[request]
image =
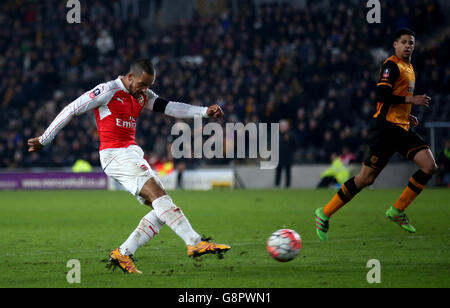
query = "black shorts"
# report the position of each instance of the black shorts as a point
(386, 138)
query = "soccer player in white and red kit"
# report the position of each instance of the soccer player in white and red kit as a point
(117, 106)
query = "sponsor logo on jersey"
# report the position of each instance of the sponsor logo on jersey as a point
(126, 124)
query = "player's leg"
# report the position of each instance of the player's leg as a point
(172, 216)
(348, 191)
(168, 212)
(427, 167)
(380, 150)
(132, 171)
(147, 229)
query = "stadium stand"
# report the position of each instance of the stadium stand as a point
(315, 68)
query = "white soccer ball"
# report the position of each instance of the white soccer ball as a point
(284, 245)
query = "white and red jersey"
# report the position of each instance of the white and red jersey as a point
(116, 120)
(116, 113)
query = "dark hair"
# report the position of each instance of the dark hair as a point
(404, 31)
(142, 65)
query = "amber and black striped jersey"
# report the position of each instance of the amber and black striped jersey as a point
(397, 81)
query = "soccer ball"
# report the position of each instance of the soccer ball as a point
(284, 245)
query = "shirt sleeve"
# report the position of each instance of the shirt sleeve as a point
(185, 111)
(88, 101)
(389, 75)
(174, 109)
(151, 98)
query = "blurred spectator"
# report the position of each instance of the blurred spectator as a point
(262, 63)
(443, 159)
(287, 149)
(335, 175)
(81, 166)
(104, 43)
(347, 157)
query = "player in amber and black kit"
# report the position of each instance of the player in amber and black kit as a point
(389, 133)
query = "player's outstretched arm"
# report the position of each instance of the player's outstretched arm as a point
(215, 112)
(182, 110)
(88, 101)
(186, 111)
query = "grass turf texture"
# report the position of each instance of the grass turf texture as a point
(41, 231)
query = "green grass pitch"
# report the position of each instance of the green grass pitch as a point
(41, 231)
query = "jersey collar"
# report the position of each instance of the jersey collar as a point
(410, 64)
(121, 85)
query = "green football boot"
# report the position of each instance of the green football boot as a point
(400, 218)
(322, 225)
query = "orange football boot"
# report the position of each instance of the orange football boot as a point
(125, 263)
(205, 246)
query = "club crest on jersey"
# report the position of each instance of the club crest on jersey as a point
(386, 73)
(95, 93)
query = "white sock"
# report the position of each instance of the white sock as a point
(148, 228)
(173, 217)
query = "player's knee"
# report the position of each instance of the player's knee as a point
(430, 169)
(152, 190)
(144, 194)
(365, 181)
(434, 168)
(368, 181)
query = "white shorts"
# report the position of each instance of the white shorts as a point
(128, 167)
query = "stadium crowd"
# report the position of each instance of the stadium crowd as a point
(315, 68)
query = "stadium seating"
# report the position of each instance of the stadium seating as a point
(317, 69)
